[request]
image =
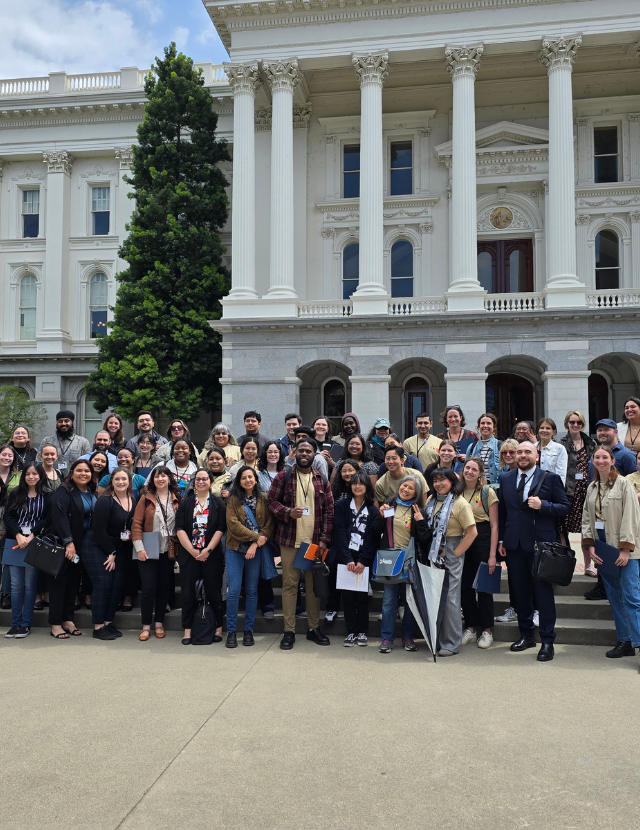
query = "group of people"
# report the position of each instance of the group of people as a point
(131, 513)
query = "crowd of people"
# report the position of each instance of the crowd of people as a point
(131, 514)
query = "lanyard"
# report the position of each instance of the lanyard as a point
(164, 509)
(65, 450)
(305, 493)
(473, 495)
(599, 498)
(127, 513)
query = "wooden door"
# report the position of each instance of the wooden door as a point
(506, 266)
(510, 398)
(416, 400)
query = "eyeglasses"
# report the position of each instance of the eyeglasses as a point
(176, 427)
(509, 452)
(575, 423)
(202, 480)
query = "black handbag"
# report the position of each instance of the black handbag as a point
(552, 561)
(320, 573)
(47, 555)
(203, 627)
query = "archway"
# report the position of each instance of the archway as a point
(325, 390)
(620, 371)
(515, 391)
(417, 385)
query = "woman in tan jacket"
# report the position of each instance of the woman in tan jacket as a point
(249, 527)
(612, 515)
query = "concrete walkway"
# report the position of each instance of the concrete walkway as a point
(158, 735)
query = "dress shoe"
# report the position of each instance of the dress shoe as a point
(111, 627)
(161, 633)
(596, 593)
(523, 644)
(232, 640)
(318, 637)
(287, 641)
(247, 638)
(622, 650)
(217, 638)
(546, 653)
(186, 641)
(144, 635)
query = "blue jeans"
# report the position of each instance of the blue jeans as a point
(24, 587)
(624, 596)
(390, 609)
(236, 565)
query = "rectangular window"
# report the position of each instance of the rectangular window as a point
(100, 211)
(605, 150)
(30, 213)
(351, 171)
(401, 164)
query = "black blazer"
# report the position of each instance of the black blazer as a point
(342, 521)
(217, 520)
(67, 516)
(516, 517)
(11, 519)
(109, 520)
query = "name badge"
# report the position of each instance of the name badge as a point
(164, 533)
(306, 511)
(356, 539)
(579, 476)
(201, 521)
(354, 545)
(599, 525)
(62, 465)
(76, 559)
(25, 530)
(391, 511)
(125, 535)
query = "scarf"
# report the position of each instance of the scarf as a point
(404, 503)
(439, 525)
(377, 440)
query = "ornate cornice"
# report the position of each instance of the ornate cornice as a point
(58, 162)
(243, 77)
(559, 53)
(619, 195)
(282, 74)
(125, 155)
(463, 60)
(371, 68)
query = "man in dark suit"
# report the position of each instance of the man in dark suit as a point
(525, 518)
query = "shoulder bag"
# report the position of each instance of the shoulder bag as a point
(552, 561)
(47, 555)
(391, 565)
(203, 627)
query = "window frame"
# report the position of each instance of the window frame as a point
(92, 214)
(617, 155)
(23, 192)
(351, 241)
(33, 308)
(391, 140)
(343, 145)
(618, 268)
(91, 306)
(413, 269)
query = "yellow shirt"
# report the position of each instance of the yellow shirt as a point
(402, 526)
(425, 449)
(461, 516)
(305, 497)
(387, 487)
(474, 499)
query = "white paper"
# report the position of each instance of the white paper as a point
(390, 511)
(348, 581)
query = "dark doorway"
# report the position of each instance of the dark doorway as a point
(510, 398)
(598, 400)
(416, 399)
(506, 266)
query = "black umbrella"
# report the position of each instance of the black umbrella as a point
(423, 598)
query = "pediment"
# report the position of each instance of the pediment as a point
(505, 135)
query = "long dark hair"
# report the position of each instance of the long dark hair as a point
(262, 458)
(104, 471)
(173, 485)
(366, 455)
(18, 496)
(118, 438)
(363, 478)
(248, 439)
(218, 451)
(339, 485)
(192, 450)
(447, 472)
(70, 483)
(236, 491)
(633, 398)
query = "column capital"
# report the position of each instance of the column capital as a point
(243, 77)
(583, 219)
(559, 52)
(282, 74)
(1, 166)
(371, 68)
(263, 117)
(301, 116)
(633, 117)
(635, 217)
(58, 162)
(463, 60)
(125, 155)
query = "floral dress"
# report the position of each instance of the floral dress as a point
(574, 519)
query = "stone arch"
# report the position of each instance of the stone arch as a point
(415, 367)
(314, 376)
(510, 398)
(621, 370)
(523, 204)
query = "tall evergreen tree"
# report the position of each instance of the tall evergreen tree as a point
(160, 352)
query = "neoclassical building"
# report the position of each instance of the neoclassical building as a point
(432, 202)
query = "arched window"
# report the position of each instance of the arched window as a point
(350, 269)
(28, 295)
(607, 260)
(98, 294)
(334, 400)
(402, 269)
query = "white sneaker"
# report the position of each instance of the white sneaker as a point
(536, 619)
(508, 616)
(330, 616)
(363, 640)
(485, 639)
(468, 637)
(350, 640)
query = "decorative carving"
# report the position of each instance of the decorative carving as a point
(262, 119)
(534, 195)
(634, 200)
(1, 166)
(583, 122)
(463, 60)
(559, 53)
(633, 117)
(502, 192)
(301, 116)
(28, 174)
(499, 169)
(58, 162)
(634, 216)
(501, 218)
(282, 74)
(426, 227)
(125, 155)
(583, 219)
(425, 133)
(371, 68)
(545, 187)
(329, 139)
(243, 77)
(327, 233)
(449, 192)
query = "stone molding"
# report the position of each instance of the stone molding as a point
(58, 162)
(635, 217)
(583, 219)
(301, 116)
(262, 119)
(125, 156)
(371, 68)
(282, 74)
(559, 53)
(243, 77)
(463, 60)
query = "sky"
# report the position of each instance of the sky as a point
(75, 36)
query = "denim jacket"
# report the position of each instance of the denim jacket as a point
(492, 469)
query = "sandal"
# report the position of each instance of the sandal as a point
(75, 632)
(160, 633)
(144, 635)
(64, 635)
(591, 572)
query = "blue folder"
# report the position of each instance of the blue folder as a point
(608, 554)
(300, 562)
(11, 556)
(486, 582)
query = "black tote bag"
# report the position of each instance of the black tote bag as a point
(47, 555)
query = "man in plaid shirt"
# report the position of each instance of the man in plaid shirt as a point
(302, 503)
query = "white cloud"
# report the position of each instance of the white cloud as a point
(180, 36)
(42, 36)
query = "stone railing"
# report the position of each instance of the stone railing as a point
(617, 298)
(513, 303)
(426, 306)
(324, 308)
(24, 86)
(93, 81)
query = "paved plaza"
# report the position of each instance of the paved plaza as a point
(158, 735)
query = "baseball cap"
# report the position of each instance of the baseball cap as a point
(382, 422)
(607, 422)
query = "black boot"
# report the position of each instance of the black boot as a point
(622, 650)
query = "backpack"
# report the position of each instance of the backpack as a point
(203, 627)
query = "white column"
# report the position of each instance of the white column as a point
(125, 204)
(468, 391)
(54, 336)
(564, 391)
(243, 80)
(635, 248)
(465, 292)
(283, 78)
(371, 296)
(563, 288)
(634, 145)
(584, 264)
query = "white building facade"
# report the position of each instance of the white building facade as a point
(432, 202)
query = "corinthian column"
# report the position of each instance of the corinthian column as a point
(371, 295)
(283, 78)
(563, 287)
(243, 80)
(465, 292)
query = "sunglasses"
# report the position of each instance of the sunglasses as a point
(509, 452)
(176, 427)
(575, 423)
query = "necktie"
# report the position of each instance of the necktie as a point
(521, 484)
